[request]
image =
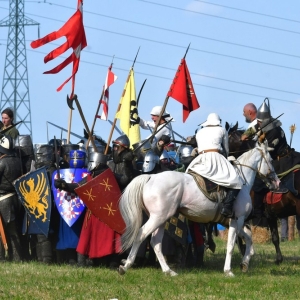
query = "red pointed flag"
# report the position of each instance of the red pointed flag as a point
(110, 79)
(73, 30)
(183, 91)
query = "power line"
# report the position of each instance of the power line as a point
(219, 17)
(248, 11)
(170, 79)
(172, 69)
(179, 32)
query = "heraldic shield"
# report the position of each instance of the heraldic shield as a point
(34, 192)
(69, 205)
(101, 196)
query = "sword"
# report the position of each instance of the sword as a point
(56, 158)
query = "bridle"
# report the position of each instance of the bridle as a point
(269, 177)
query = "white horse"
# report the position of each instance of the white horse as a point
(162, 195)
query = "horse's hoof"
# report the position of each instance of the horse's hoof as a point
(121, 270)
(244, 267)
(123, 261)
(170, 273)
(228, 274)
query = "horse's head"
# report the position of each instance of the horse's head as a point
(266, 170)
(236, 146)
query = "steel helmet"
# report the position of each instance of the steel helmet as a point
(186, 151)
(212, 119)
(123, 141)
(155, 111)
(95, 159)
(43, 155)
(77, 158)
(264, 111)
(150, 160)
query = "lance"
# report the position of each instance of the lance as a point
(165, 104)
(292, 129)
(119, 106)
(63, 129)
(250, 136)
(8, 128)
(56, 158)
(69, 101)
(151, 136)
(99, 104)
(182, 142)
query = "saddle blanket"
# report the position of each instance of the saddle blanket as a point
(211, 190)
(272, 198)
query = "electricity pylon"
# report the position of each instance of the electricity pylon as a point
(15, 88)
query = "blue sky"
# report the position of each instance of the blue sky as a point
(240, 52)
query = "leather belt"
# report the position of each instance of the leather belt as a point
(209, 150)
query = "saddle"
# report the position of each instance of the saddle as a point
(211, 190)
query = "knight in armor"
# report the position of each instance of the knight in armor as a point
(150, 125)
(123, 161)
(97, 240)
(212, 140)
(10, 170)
(7, 121)
(284, 157)
(185, 155)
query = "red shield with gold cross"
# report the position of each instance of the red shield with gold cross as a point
(101, 196)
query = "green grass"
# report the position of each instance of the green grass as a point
(265, 280)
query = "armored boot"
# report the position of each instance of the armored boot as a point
(14, 246)
(228, 203)
(81, 260)
(44, 249)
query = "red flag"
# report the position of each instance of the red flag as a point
(73, 30)
(110, 79)
(183, 91)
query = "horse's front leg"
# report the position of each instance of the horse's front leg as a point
(156, 243)
(232, 233)
(272, 221)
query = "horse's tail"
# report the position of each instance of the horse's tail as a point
(131, 204)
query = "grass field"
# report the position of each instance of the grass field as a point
(265, 280)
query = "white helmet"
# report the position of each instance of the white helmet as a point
(150, 160)
(212, 119)
(186, 151)
(156, 112)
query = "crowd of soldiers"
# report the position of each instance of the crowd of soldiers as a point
(89, 241)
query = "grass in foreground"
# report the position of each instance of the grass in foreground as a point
(265, 280)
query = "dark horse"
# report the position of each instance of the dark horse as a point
(277, 206)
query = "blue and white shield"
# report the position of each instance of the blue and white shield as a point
(69, 205)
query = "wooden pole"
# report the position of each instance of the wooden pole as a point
(2, 233)
(69, 126)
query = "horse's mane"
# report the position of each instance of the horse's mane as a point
(245, 156)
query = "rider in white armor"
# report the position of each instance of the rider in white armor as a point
(155, 112)
(212, 139)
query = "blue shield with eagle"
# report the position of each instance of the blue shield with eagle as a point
(69, 205)
(34, 192)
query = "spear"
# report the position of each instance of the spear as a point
(119, 107)
(292, 130)
(165, 105)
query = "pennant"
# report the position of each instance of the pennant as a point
(73, 30)
(128, 113)
(183, 91)
(110, 79)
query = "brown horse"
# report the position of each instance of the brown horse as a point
(277, 206)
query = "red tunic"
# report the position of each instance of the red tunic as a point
(97, 239)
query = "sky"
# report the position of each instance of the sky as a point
(240, 52)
